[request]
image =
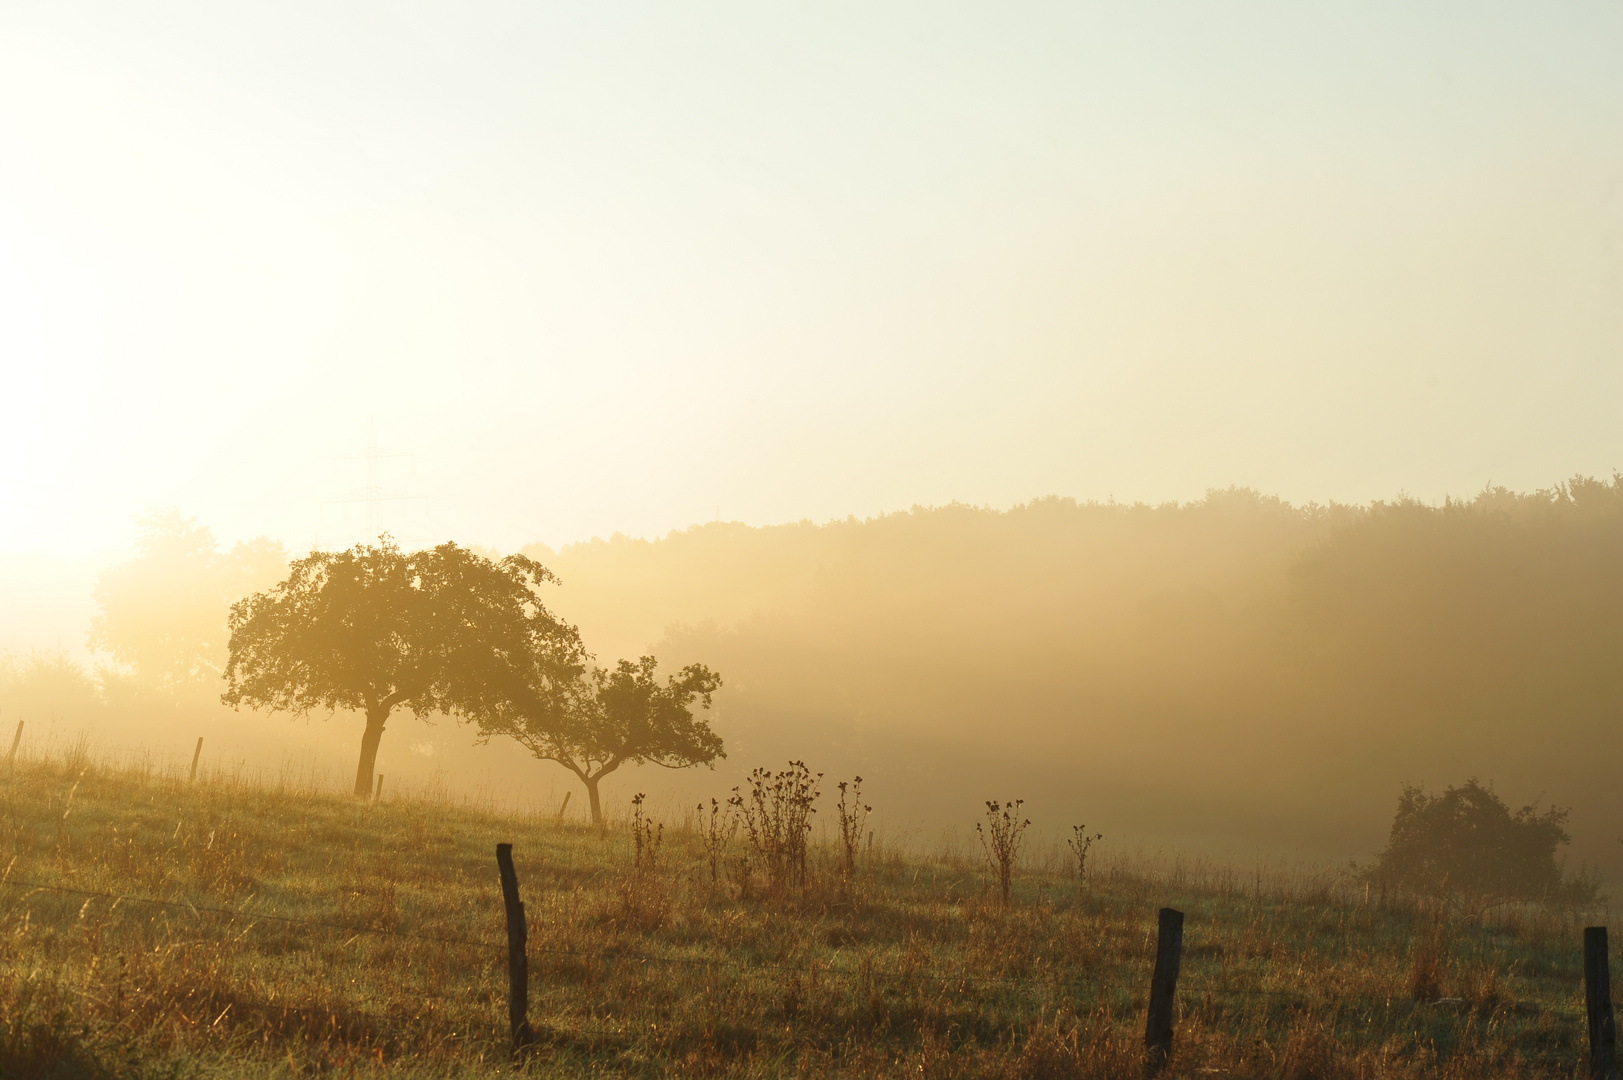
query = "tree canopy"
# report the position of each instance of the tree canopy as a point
(375, 628)
(618, 715)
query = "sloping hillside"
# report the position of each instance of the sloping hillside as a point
(151, 927)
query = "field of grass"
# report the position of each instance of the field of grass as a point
(152, 927)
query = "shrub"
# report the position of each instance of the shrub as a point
(1467, 842)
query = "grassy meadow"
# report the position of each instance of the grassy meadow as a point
(297, 932)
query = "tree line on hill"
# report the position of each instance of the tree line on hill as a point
(1237, 670)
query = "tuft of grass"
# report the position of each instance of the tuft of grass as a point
(1428, 955)
(307, 934)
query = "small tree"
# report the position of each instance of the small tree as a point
(607, 718)
(375, 628)
(1467, 842)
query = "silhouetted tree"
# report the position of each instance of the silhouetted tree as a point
(614, 716)
(1466, 841)
(375, 628)
(47, 684)
(164, 612)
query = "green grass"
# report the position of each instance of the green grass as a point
(921, 972)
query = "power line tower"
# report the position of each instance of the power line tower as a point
(374, 494)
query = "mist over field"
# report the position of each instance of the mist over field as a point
(1234, 675)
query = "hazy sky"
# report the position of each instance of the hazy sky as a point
(606, 266)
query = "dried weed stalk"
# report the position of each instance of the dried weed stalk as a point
(1079, 843)
(1000, 837)
(716, 833)
(853, 824)
(645, 897)
(646, 837)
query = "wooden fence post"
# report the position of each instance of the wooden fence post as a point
(1598, 997)
(16, 740)
(377, 793)
(518, 964)
(1163, 984)
(564, 805)
(195, 755)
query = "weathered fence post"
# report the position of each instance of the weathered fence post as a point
(195, 755)
(518, 964)
(564, 805)
(1163, 984)
(377, 792)
(1598, 997)
(16, 740)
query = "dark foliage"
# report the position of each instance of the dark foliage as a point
(376, 628)
(608, 717)
(1467, 842)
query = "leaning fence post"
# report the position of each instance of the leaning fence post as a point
(195, 755)
(11, 758)
(1158, 1027)
(518, 964)
(378, 791)
(1598, 997)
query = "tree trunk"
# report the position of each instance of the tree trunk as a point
(597, 803)
(369, 751)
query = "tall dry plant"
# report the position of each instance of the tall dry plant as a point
(1000, 837)
(646, 838)
(715, 832)
(1080, 843)
(853, 824)
(645, 898)
(776, 815)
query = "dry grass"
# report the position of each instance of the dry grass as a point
(656, 969)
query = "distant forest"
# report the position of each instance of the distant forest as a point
(1236, 670)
